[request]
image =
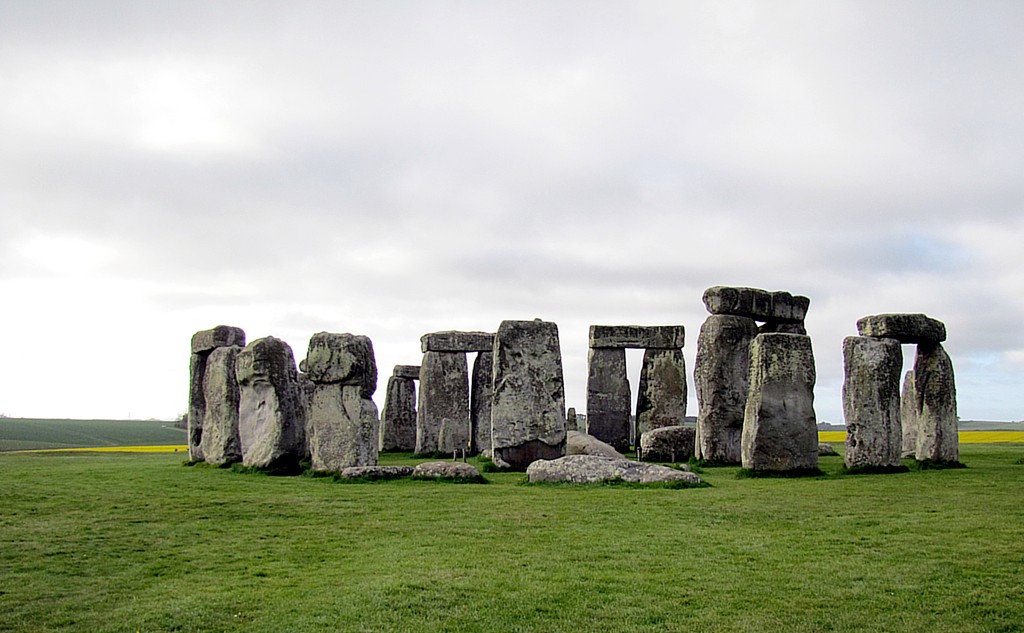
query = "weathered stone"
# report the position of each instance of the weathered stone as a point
(342, 428)
(447, 470)
(779, 426)
(637, 336)
(577, 443)
(826, 449)
(412, 372)
(196, 406)
(782, 327)
(905, 328)
(908, 415)
(220, 336)
(306, 389)
(376, 472)
(871, 401)
(271, 423)
(668, 444)
(345, 359)
(589, 469)
(721, 376)
(661, 400)
(220, 442)
(755, 303)
(442, 417)
(571, 420)
(935, 389)
(398, 419)
(303, 366)
(608, 397)
(481, 392)
(528, 408)
(457, 342)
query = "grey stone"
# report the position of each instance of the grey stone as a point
(342, 428)
(271, 423)
(661, 400)
(779, 426)
(608, 397)
(452, 341)
(220, 441)
(481, 392)
(589, 469)
(220, 336)
(571, 420)
(826, 449)
(303, 366)
(721, 376)
(345, 359)
(935, 388)
(668, 444)
(528, 407)
(412, 372)
(577, 443)
(637, 336)
(871, 401)
(905, 328)
(398, 419)
(755, 303)
(196, 406)
(376, 472)
(782, 327)
(908, 415)
(442, 417)
(453, 470)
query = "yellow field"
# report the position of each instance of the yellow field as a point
(966, 437)
(115, 449)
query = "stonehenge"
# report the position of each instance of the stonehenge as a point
(871, 401)
(398, 417)
(213, 395)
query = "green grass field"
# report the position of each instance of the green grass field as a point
(18, 434)
(139, 542)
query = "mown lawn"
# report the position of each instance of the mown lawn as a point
(138, 542)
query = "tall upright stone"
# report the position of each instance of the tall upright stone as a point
(935, 389)
(608, 397)
(203, 343)
(220, 441)
(721, 378)
(908, 415)
(271, 426)
(661, 400)
(481, 392)
(398, 419)
(871, 401)
(528, 406)
(779, 425)
(442, 417)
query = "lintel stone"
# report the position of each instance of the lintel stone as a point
(905, 328)
(411, 372)
(220, 336)
(637, 336)
(452, 341)
(762, 305)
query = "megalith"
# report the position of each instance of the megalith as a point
(871, 401)
(528, 403)
(779, 425)
(908, 414)
(271, 423)
(442, 416)
(220, 441)
(661, 400)
(608, 397)
(398, 419)
(203, 344)
(481, 391)
(721, 376)
(343, 426)
(935, 390)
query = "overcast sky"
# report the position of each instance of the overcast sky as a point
(397, 168)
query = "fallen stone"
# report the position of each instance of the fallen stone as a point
(528, 407)
(755, 303)
(608, 397)
(779, 426)
(826, 449)
(908, 415)
(442, 416)
(376, 472)
(345, 359)
(271, 422)
(220, 336)
(905, 328)
(871, 401)
(457, 342)
(411, 372)
(577, 443)
(637, 336)
(220, 441)
(480, 394)
(590, 469)
(661, 400)
(721, 378)
(452, 470)
(398, 419)
(935, 389)
(668, 444)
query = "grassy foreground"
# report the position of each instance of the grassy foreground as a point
(137, 542)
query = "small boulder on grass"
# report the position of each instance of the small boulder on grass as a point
(667, 444)
(826, 449)
(376, 472)
(590, 469)
(447, 470)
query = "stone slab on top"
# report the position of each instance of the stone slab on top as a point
(761, 305)
(411, 372)
(452, 341)
(905, 328)
(220, 336)
(637, 336)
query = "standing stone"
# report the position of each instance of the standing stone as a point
(662, 398)
(220, 441)
(271, 426)
(608, 397)
(908, 415)
(203, 343)
(528, 407)
(721, 376)
(779, 426)
(937, 436)
(481, 392)
(871, 401)
(571, 421)
(442, 417)
(398, 419)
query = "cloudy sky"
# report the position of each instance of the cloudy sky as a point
(397, 168)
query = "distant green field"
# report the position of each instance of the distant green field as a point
(19, 434)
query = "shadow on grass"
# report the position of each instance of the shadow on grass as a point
(796, 473)
(679, 484)
(874, 470)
